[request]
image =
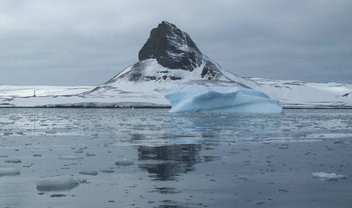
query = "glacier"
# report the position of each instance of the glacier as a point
(201, 98)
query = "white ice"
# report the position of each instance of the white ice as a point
(197, 98)
(70, 157)
(9, 171)
(89, 172)
(59, 183)
(124, 162)
(328, 176)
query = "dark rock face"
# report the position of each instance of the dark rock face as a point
(210, 71)
(172, 48)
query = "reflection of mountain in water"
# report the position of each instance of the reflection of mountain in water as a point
(166, 162)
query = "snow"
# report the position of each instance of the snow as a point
(293, 93)
(328, 176)
(58, 183)
(28, 91)
(121, 92)
(195, 98)
(9, 171)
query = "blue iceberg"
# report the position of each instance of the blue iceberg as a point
(199, 98)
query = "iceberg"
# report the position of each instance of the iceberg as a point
(199, 98)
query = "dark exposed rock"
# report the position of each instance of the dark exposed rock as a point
(172, 48)
(210, 71)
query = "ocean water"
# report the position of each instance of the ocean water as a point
(153, 158)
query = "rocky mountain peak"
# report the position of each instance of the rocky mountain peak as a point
(172, 48)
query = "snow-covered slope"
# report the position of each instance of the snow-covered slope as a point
(293, 93)
(10, 91)
(170, 58)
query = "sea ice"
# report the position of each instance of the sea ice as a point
(9, 172)
(91, 173)
(70, 157)
(13, 161)
(328, 176)
(59, 183)
(124, 162)
(196, 98)
(107, 171)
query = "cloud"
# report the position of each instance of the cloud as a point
(89, 41)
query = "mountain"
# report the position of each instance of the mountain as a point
(170, 58)
(174, 51)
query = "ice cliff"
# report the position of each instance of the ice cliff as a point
(198, 98)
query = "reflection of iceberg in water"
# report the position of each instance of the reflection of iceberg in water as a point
(217, 127)
(166, 162)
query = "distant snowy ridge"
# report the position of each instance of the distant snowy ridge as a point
(300, 94)
(168, 59)
(11, 91)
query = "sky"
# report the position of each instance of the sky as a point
(86, 42)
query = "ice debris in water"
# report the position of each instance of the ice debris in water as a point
(124, 162)
(107, 171)
(58, 183)
(9, 171)
(13, 161)
(70, 157)
(92, 173)
(196, 98)
(328, 176)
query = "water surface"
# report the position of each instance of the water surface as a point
(152, 158)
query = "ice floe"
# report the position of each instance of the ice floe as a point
(124, 162)
(58, 183)
(107, 171)
(92, 173)
(9, 171)
(13, 161)
(70, 157)
(328, 176)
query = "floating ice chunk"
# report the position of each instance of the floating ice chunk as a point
(78, 151)
(9, 171)
(107, 171)
(90, 155)
(13, 161)
(124, 162)
(195, 98)
(60, 183)
(70, 157)
(92, 173)
(57, 195)
(328, 176)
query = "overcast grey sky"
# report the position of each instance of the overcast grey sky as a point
(86, 42)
